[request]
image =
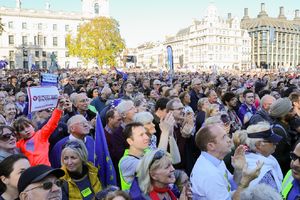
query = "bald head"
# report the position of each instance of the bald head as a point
(266, 102)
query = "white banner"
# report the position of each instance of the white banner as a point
(42, 98)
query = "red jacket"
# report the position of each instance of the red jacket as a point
(36, 148)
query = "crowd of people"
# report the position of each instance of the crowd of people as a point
(183, 136)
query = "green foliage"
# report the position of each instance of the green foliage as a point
(98, 39)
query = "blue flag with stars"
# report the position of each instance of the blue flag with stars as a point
(103, 160)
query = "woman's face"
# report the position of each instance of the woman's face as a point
(95, 93)
(7, 140)
(27, 132)
(163, 175)
(18, 168)
(72, 161)
(150, 128)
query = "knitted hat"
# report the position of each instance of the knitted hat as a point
(280, 107)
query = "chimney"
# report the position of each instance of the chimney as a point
(246, 16)
(281, 13)
(229, 15)
(262, 12)
(262, 7)
(297, 14)
(18, 4)
(47, 5)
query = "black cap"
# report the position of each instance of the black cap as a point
(36, 174)
(267, 135)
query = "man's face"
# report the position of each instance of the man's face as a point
(36, 191)
(268, 102)
(131, 112)
(232, 103)
(139, 139)
(72, 81)
(222, 143)
(297, 104)
(81, 127)
(249, 98)
(129, 88)
(178, 111)
(146, 83)
(295, 164)
(116, 120)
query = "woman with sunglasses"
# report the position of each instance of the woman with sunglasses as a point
(7, 142)
(260, 141)
(155, 176)
(11, 169)
(81, 177)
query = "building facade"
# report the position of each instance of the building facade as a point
(275, 41)
(211, 42)
(38, 37)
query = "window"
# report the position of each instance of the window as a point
(24, 40)
(12, 64)
(44, 64)
(54, 27)
(37, 64)
(40, 26)
(67, 27)
(11, 39)
(40, 39)
(67, 54)
(24, 25)
(37, 54)
(35, 40)
(25, 64)
(96, 8)
(55, 41)
(10, 25)
(44, 54)
(11, 54)
(45, 41)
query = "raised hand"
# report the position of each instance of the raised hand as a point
(249, 175)
(167, 124)
(238, 160)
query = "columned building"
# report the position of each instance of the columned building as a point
(275, 41)
(37, 36)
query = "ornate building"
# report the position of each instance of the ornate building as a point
(34, 36)
(212, 42)
(275, 41)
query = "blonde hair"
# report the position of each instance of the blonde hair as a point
(210, 109)
(78, 147)
(148, 164)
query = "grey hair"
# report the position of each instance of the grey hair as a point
(143, 117)
(81, 150)
(265, 97)
(260, 126)
(143, 170)
(213, 120)
(74, 120)
(124, 105)
(260, 192)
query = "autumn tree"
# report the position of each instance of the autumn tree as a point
(97, 40)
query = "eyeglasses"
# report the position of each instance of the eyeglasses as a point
(180, 109)
(294, 157)
(84, 100)
(6, 137)
(72, 80)
(158, 155)
(48, 185)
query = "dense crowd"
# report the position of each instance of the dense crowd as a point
(183, 136)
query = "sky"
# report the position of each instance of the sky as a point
(151, 20)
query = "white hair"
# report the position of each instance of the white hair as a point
(74, 120)
(260, 192)
(124, 106)
(143, 117)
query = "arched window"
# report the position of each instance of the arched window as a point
(96, 8)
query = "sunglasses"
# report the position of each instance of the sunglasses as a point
(48, 185)
(6, 137)
(294, 157)
(158, 155)
(72, 144)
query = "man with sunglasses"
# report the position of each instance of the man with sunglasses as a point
(291, 185)
(40, 182)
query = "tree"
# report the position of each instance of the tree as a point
(97, 40)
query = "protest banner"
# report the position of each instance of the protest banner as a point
(49, 79)
(41, 98)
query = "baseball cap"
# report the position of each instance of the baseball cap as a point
(268, 135)
(156, 82)
(36, 174)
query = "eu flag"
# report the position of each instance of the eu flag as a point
(103, 161)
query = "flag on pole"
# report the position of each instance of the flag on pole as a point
(103, 160)
(170, 62)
